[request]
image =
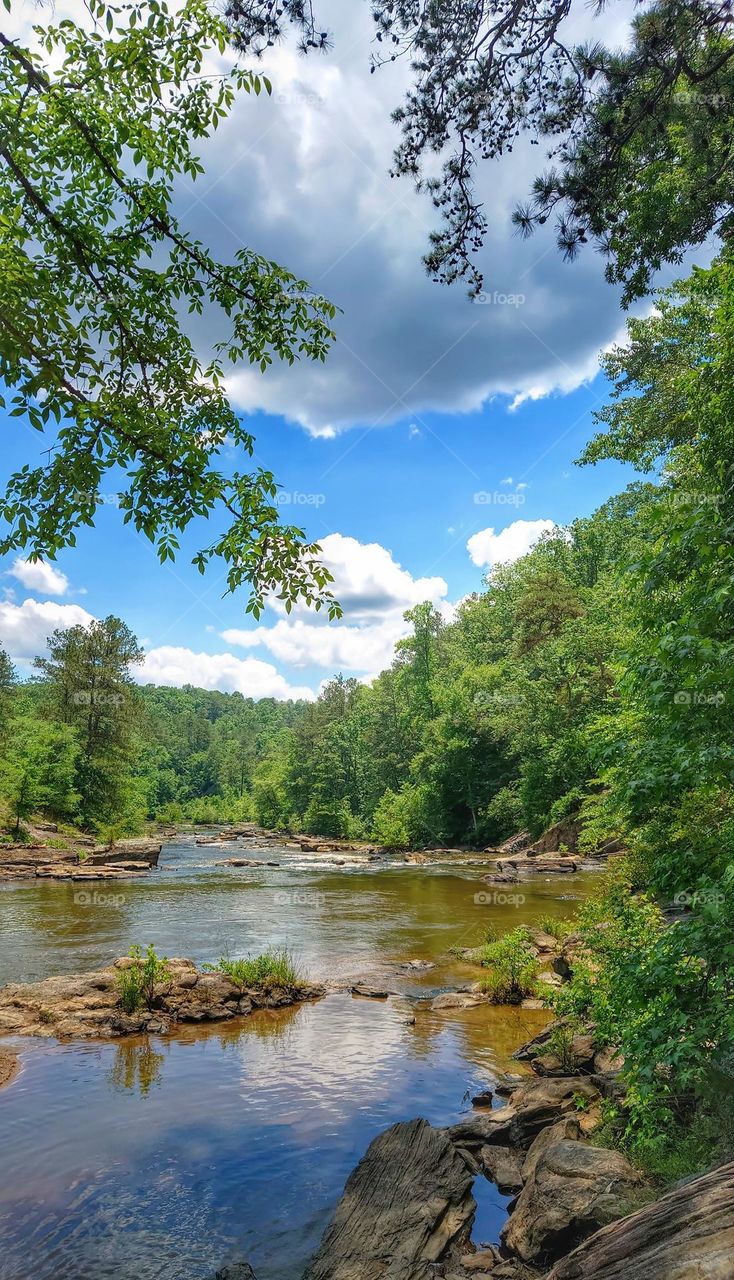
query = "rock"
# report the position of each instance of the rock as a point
(8, 1067)
(417, 966)
(567, 1129)
(516, 843)
(509, 1084)
(407, 1204)
(503, 1166)
(238, 862)
(368, 992)
(686, 1235)
(532, 1107)
(608, 1062)
(482, 1260)
(483, 1099)
(572, 1190)
(458, 1000)
(88, 1004)
(418, 859)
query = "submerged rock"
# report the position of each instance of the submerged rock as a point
(406, 1206)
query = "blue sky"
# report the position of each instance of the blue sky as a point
(419, 489)
(426, 401)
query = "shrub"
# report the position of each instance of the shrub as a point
(560, 1045)
(558, 929)
(512, 967)
(137, 984)
(263, 973)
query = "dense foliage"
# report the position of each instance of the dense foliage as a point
(100, 119)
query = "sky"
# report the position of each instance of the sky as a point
(439, 438)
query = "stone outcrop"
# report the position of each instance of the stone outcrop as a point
(571, 1190)
(531, 1108)
(85, 1005)
(686, 1235)
(81, 858)
(406, 1206)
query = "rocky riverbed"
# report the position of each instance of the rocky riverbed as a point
(579, 1211)
(84, 1005)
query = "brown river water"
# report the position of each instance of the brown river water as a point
(164, 1159)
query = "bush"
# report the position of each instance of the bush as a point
(137, 984)
(512, 967)
(662, 993)
(261, 973)
(558, 929)
(502, 817)
(560, 1045)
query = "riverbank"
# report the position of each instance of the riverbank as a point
(49, 854)
(578, 1211)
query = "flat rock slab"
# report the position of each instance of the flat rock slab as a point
(84, 1005)
(532, 1107)
(686, 1235)
(406, 1206)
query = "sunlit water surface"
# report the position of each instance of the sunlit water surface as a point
(167, 1158)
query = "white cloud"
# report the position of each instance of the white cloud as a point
(335, 646)
(317, 154)
(39, 576)
(25, 627)
(173, 665)
(490, 548)
(374, 591)
(368, 582)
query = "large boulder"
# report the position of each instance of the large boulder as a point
(686, 1235)
(572, 1190)
(406, 1206)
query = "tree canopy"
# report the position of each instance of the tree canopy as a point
(639, 140)
(99, 282)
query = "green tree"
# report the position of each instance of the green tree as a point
(38, 771)
(99, 122)
(639, 137)
(89, 688)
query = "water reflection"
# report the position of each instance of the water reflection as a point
(164, 1159)
(137, 1067)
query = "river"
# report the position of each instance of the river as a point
(168, 1158)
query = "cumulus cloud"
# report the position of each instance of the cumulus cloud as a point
(374, 591)
(37, 575)
(489, 548)
(173, 665)
(24, 628)
(313, 160)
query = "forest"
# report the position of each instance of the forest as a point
(592, 679)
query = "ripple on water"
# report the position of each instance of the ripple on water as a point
(166, 1158)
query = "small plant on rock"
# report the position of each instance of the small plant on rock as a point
(262, 973)
(138, 983)
(512, 966)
